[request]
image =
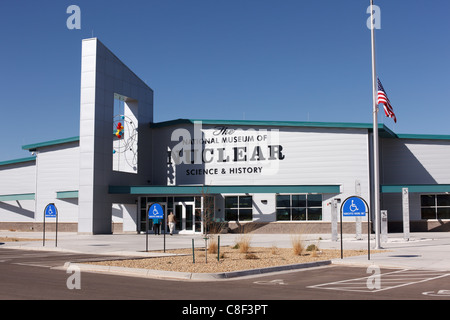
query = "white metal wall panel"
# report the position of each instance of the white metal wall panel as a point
(312, 156)
(126, 214)
(392, 202)
(18, 178)
(412, 161)
(17, 211)
(407, 161)
(58, 171)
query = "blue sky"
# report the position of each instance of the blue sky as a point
(293, 60)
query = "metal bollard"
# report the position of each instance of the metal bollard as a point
(218, 248)
(193, 253)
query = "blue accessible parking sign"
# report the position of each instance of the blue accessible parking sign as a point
(354, 207)
(156, 211)
(50, 211)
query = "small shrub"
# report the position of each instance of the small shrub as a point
(297, 246)
(274, 250)
(251, 256)
(312, 247)
(243, 243)
(213, 245)
(244, 246)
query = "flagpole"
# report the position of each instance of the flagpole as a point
(376, 164)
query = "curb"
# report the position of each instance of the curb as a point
(251, 272)
(162, 274)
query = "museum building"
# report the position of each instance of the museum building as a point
(269, 176)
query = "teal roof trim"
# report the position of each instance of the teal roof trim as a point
(198, 190)
(16, 197)
(67, 194)
(424, 136)
(21, 160)
(263, 123)
(383, 130)
(418, 188)
(34, 146)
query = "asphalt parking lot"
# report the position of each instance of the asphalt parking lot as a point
(411, 270)
(30, 275)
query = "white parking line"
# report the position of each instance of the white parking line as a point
(31, 265)
(387, 281)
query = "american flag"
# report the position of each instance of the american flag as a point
(383, 99)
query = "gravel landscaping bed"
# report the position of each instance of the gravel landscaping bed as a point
(231, 259)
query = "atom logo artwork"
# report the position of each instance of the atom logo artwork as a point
(125, 140)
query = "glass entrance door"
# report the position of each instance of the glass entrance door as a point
(185, 218)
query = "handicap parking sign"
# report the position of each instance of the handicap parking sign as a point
(354, 207)
(156, 211)
(50, 211)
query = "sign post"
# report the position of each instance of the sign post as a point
(334, 231)
(384, 226)
(50, 212)
(355, 207)
(405, 209)
(155, 211)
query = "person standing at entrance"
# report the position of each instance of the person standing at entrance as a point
(156, 224)
(171, 220)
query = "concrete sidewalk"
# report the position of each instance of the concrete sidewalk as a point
(427, 251)
(422, 251)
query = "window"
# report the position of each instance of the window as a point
(124, 134)
(238, 208)
(299, 207)
(435, 206)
